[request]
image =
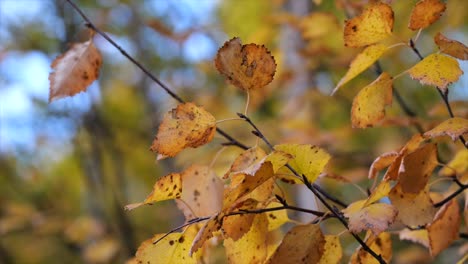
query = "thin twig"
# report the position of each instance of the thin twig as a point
(461, 188)
(190, 222)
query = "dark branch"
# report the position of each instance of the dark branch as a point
(461, 188)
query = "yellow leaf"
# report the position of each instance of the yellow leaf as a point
(373, 25)
(369, 105)
(451, 47)
(363, 60)
(247, 67)
(74, 70)
(382, 162)
(425, 13)
(457, 166)
(379, 192)
(172, 249)
(381, 245)
(307, 160)
(417, 167)
(235, 226)
(444, 230)
(252, 247)
(202, 192)
(309, 250)
(333, 251)
(185, 126)
(276, 218)
(413, 209)
(453, 127)
(437, 70)
(206, 232)
(419, 236)
(375, 217)
(245, 160)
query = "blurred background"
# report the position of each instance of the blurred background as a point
(68, 168)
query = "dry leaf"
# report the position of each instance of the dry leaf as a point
(363, 60)
(369, 105)
(247, 67)
(453, 127)
(444, 230)
(333, 252)
(375, 217)
(426, 12)
(206, 232)
(417, 167)
(309, 250)
(373, 25)
(381, 245)
(74, 70)
(451, 47)
(245, 160)
(413, 209)
(235, 226)
(185, 126)
(437, 70)
(410, 146)
(381, 163)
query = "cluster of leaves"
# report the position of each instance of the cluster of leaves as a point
(245, 207)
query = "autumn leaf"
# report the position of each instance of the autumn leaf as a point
(245, 160)
(444, 230)
(252, 247)
(426, 12)
(235, 226)
(381, 245)
(453, 127)
(413, 209)
(369, 105)
(247, 67)
(417, 167)
(363, 60)
(309, 250)
(381, 163)
(165, 188)
(333, 251)
(375, 217)
(307, 160)
(276, 218)
(420, 236)
(451, 47)
(437, 70)
(373, 25)
(172, 249)
(379, 192)
(74, 70)
(206, 232)
(185, 126)
(410, 146)
(202, 192)
(457, 166)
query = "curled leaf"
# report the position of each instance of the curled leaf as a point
(185, 126)
(451, 47)
(247, 67)
(426, 12)
(373, 25)
(382, 162)
(74, 70)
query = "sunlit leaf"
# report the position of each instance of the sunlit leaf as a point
(74, 70)
(382, 162)
(417, 167)
(247, 67)
(363, 60)
(307, 160)
(453, 127)
(309, 250)
(381, 245)
(451, 47)
(375, 217)
(202, 192)
(373, 25)
(436, 69)
(413, 209)
(172, 249)
(425, 13)
(418, 236)
(444, 230)
(245, 160)
(333, 251)
(369, 105)
(379, 192)
(276, 218)
(185, 126)
(252, 247)
(458, 166)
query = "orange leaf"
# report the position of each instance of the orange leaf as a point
(410, 146)
(369, 105)
(247, 67)
(202, 192)
(363, 60)
(373, 25)
(252, 247)
(417, 167)
(74, 70)
(413, 209)
(425, 13)
(451, 47)
(453, 127)
(245, 160)
(381, 163)
(437, 70)
(381, 245)
(185, 126)
(444, 230)
(235, 226)
(302, 244)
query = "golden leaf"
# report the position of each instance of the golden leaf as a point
(413, 209)
(453, 127)
(369, 105)
(381, 245)
(444, 230)
(185, 126)
(247, 67)
(333, 251)
(426, 12)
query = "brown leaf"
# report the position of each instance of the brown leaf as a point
(236, 226)
(425, 13)
(373, 25)
(451, 47)
(413, 209)
(444, 230)
(74, 70)
(185, 126)
(247, 67)
(381, 163)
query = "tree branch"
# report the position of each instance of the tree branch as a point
(461, 188)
